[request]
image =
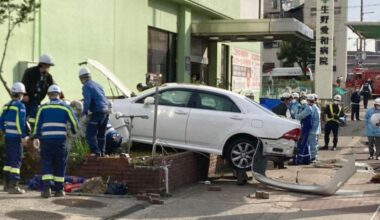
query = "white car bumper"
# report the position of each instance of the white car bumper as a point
(280, 147)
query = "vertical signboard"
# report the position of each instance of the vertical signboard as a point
(324, 49)
(245, 70)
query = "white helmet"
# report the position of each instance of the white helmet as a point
(18, 88)
(377, 101)
(285, 95)
(310, 97)
(54, 89)
(295, 95)
(249, 93)
(303, 93)
(84, 71)
(46, 59)
(337, 98)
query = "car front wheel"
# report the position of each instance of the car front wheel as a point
(240, 153)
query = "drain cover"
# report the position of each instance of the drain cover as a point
(80, 203)
(30, 215)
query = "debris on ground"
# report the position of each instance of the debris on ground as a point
(214, 188)
(152, 198)
(94, 185)
(261, 195)
(375, 178)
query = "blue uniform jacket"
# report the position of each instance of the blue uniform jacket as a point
(370, 129)
(294, 108)
(316, 119)
(12, 120)
(94, 98)
(52, 119)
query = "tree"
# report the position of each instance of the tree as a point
(296, 52)
(13, 13)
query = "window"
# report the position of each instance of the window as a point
(179, 98)
(274, 4)
(215, 102)
(162, 54)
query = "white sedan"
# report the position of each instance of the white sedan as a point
(205, 119)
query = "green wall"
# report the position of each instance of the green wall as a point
(114, 32)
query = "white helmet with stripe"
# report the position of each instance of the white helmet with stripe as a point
(18, 88)
(54, 89)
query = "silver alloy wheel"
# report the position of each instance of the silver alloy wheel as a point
(242, 155)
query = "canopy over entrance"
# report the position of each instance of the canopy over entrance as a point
(367, 30)
(288, 29)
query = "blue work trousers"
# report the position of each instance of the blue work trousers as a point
(95, 133)
(53, 161)
(13, 158)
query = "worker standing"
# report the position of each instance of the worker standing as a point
(95, 104)
(373, 132)
(37, 81)
(294, 105)
(306, 118)
(316, 127)
(355, 104)
(282, 109)
(334, 113)
(366, 91)
(51, 129)
(13, 125)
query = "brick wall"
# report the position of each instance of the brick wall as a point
(184, 168)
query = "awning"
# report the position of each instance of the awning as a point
(241, 30)
(367, 30)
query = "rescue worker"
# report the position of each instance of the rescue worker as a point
(113, 140)
(316, 128)
(333, 114)
(373, 132)
(97, 107)
(51, 129)
(295, 105)
(37, 80)
(355, 104)
(13, 125)
(306, 118)
(366, 91)
(282, 108)
(303, 95)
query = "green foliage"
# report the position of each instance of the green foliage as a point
(299, 52)
(78, 152)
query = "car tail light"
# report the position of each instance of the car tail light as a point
(292, 135)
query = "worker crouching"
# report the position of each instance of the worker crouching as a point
(13, 125)
(51, 129)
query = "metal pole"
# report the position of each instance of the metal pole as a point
(361, 19)
(281, 10)
(155, 121)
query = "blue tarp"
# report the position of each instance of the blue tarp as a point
(269, 103)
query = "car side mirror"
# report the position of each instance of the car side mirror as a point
(149, 101)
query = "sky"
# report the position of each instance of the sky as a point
(371, 10)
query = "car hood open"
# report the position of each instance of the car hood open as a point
(109, 75)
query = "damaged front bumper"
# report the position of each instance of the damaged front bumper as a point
(340, 177)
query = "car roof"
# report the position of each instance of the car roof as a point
(200, 87)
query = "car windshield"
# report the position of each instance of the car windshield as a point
(259, 107)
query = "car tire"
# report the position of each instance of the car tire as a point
(240, 153)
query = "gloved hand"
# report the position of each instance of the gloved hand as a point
(24, 141)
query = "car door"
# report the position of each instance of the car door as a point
(173, 113)
(212, 119)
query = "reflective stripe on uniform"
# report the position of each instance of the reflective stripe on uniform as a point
(10, 123)
(14, 108)
(11, 131)
(15, 170)
(51, 124)
(32, 120)
(59, 179)
(68, 111)
(47, 177)
(332, 113)
(7, 168)
(47, 133)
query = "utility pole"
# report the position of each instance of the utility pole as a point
(361, 19)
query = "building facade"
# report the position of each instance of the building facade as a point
(309, 11)
(133, 38)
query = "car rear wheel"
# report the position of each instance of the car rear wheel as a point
(240, 153)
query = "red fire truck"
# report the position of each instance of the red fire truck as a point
(360, 75)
